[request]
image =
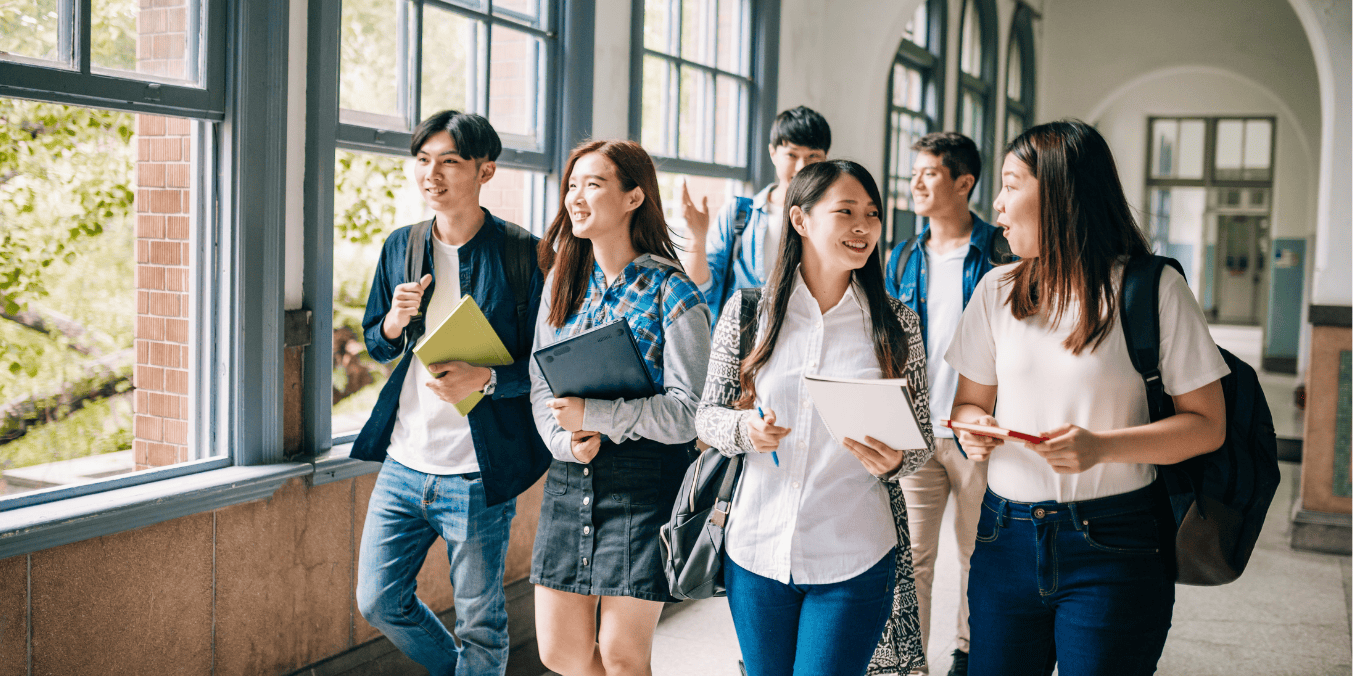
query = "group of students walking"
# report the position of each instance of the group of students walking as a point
(830, 548)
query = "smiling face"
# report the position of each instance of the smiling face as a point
(598, 205)
(447, 180)
(840, 231)
(934, 191)
(790, 158)
(1018, 205)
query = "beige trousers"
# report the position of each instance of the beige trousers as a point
(927, 493)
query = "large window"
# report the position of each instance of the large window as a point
(914, 87)
(1209, 187)
(977, 88)
(471, 56)
(1019, 76)
(111, 282)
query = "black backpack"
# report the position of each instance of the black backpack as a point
(519, 254)
(1219, 499)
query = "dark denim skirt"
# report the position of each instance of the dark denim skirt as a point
(598, 532)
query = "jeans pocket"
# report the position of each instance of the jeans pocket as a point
(556, 480)
(988, 524)
(1133, 533)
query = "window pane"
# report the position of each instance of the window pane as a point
(908, 88)
(517, 196)
(368, 60)
(98, 370)
(732, 37)
(972, 115)
(1164, 146)
(160, 42)
(697, 31)
(373, 195)
(516, 63)
(452, 44)
(657, 106)
(32, 28)
(970, 54)
(1014, 73)
(657, 25)
(1014, 126)
(1191, 149)
(730, 114)
(717, 191)
(918, 29)
(1258, 149)
(1230, 149)
(695, 123)
(526, 11)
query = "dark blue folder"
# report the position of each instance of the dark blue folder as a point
(600, 363)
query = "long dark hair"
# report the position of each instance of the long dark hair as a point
(1085, 227)
(572, 256)
(805, 191)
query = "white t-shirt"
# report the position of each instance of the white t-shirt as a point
(430, 435)
(775, 228)
(944, 307)
(1041, 385)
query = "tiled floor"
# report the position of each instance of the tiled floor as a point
(1289, 615)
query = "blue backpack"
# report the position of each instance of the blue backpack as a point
(1219, 499)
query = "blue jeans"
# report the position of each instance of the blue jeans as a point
(1086, 575)
(408, 511)
(809, 629)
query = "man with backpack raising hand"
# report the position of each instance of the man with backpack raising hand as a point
(744, 245)
(445, 474)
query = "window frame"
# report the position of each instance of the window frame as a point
(1022, 38)
(984, 88)
(763, 47)
(929, 61)
(239, 268)
(1209, 179)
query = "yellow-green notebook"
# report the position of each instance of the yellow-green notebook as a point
(465, 335)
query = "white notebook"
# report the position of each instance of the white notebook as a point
(857, 408)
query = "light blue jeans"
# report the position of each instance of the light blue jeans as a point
(408, 511)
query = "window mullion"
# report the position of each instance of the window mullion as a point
(405, 45)
(86, 19)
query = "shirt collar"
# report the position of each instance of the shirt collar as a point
(761, 201)
(800, 290)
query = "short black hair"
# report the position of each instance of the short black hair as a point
(958, 153)
(802, 127)
(474, 137)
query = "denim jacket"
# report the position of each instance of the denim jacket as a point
(749, 269)
(511, 455)
(911, 290)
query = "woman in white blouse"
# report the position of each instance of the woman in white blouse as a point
(818, 565)
(1073, 546)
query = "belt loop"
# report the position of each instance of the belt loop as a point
(1075, 515)
(1004, 512)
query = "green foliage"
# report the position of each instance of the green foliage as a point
(367, 57)
(364, 195)
(31, 28)
(103, 426)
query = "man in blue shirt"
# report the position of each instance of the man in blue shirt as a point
(742, 248)
(934, 274)
(444, 474)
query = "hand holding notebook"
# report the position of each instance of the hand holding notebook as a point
(854, 408)
(465, 335)
(994, 432)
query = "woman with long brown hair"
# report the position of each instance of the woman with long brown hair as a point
(818, 566)
(1072, 541)
(617, 464)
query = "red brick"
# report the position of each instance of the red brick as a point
(165, 201)
(176, 431)
(164, 354)
(178, 126)
(165, 253)
(185, 254)
(140, 452)
(150, 125)
(164, 405)
(175, 46)
(176, 330)
(169, 149)
(142, 402)
(175, 279)
(150, 328)
(174, 69)
(149, 225)
(176, 381)
(183, 355)
(186, 206)
(177, 20)
(150, 378)
(143, 149)
(142, 302)
(149, 428)
(150, 174)
(164, 304)
(176, 175)
(161, 455)
(177, 227)
(142, 201)
(150, 277)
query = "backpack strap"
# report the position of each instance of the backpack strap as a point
(751, 300)
(414, 255)
(519, 254)
(1140, 314)
(903, 257)
(742, 212)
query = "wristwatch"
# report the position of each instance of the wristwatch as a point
(493, 382)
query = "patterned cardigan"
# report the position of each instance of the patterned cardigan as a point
(720, 425)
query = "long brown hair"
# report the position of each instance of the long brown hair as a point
(805, 191)
(571, 257)
(1085, 227)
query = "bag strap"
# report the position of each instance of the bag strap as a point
(519, 254)
(723, 500)
(903, 256)
(1139, 312)
(742, 212)
(414, 255)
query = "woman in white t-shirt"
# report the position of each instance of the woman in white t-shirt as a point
(1069, 541)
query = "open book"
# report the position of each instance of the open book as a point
(857, 408)
(465, 335)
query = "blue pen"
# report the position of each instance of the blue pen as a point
(775, 457)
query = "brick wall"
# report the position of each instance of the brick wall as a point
(163, 207)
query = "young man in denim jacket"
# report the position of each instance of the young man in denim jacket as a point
(743, 247)
(447, 475)
(938, 271)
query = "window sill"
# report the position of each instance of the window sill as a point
(335, 465)
(30, 529)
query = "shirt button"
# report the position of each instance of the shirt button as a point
(587, 530)
(795, 484)
(586, 471)
(807, 402)
(802, 443)
(587, 500)
(584, 561)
